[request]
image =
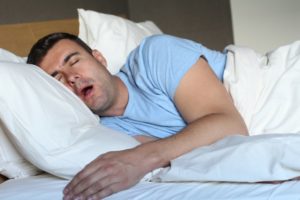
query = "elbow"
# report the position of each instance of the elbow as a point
(243, 131)
(239, 125)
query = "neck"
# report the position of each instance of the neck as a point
(121, 99)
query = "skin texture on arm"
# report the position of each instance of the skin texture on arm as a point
(207, 108)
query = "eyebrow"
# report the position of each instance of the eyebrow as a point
(66, 59)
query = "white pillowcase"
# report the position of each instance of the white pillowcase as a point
(10, 57)
(115, 37)
(49, 125)
(12, 164)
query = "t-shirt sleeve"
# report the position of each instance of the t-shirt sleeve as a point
(161, 61)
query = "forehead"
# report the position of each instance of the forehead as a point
(56, 55)
(64, 45)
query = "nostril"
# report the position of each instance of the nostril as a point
(76, 76)
(72, 83)
(72, 79)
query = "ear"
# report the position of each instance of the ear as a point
(99, 57)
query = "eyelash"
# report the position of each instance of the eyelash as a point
(76, 61)
(58, 77)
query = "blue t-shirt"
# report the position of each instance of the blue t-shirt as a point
(152, 73)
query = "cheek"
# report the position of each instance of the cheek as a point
(98, 98)
(94, 69)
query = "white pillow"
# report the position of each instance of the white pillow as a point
(49, 125)
(115, 37)
(12, 164)
(10, 57)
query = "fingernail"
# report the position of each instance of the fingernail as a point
(66, 191)
(78, 198)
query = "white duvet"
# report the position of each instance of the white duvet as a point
(272, 157)
(266, 91)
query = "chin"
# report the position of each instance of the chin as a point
(95, 109)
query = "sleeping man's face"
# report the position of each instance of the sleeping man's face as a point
(84, 74)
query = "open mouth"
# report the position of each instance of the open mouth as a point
(86, 91)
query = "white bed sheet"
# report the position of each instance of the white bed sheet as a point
(47, 187)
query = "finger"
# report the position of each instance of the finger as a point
(115, 183)
(101, 178)
(107, 191)
(90, 169)
(101, 185)
(78, 189)
(90, 185)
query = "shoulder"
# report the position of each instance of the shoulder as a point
(164, 40)
(162, 47)
(151, 51)
(154, 39)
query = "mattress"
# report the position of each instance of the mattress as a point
(45, 187)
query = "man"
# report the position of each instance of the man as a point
(167, 96)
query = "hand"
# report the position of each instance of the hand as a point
(107, 174)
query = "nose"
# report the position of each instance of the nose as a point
(72, 78)
(71, 82)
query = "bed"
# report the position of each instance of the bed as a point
(44, 187)
(39, 161)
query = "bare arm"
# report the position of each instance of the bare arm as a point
(205, 106)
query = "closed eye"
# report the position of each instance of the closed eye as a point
(58, 76)
(74, 62)
(73, 59)
(54, 74)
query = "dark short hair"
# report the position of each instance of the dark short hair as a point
(40, 49)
